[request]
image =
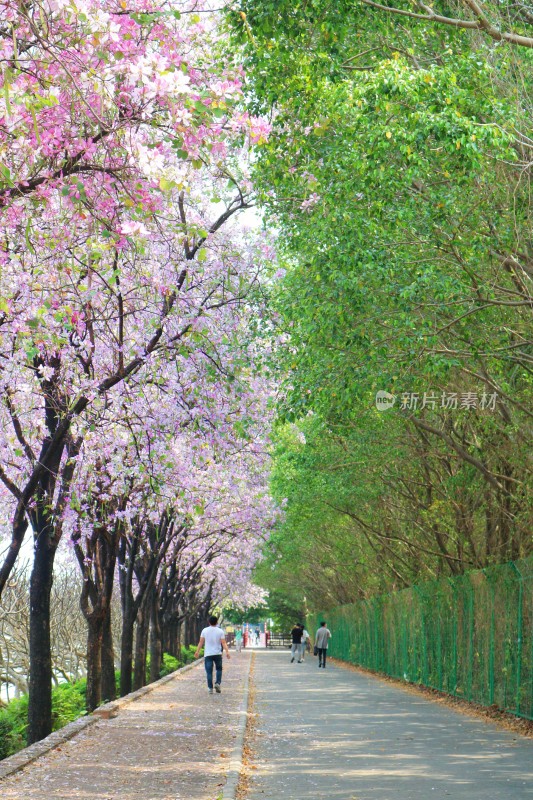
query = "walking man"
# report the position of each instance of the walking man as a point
(213, 640)
(323, 635)
(296, 648)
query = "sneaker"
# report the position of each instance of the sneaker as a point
(217, 688)
(292, 659)
(210, 691)
(300, 662)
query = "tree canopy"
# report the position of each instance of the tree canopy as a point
(397, 173)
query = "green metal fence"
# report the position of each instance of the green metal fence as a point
(471, 636)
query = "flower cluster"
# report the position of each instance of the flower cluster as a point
(127, 288)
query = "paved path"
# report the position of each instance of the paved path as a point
(172, 744)
(336, 734)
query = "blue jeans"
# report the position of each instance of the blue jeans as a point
(208, 664)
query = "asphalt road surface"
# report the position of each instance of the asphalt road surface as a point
(336, 734)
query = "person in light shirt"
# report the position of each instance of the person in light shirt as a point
(213, 640)
(323, 635)
(305, 641)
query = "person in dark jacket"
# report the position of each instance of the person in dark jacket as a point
(296, 648)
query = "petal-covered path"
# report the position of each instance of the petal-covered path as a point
(336, 734)
(174, 743)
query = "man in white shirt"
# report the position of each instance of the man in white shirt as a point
(213, 640)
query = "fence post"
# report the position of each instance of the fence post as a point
(519, 629)
(424, 637)
(470, 675)
(377, 625)
(438, 607)
(491, 639)
(453, 584)
(405, 649)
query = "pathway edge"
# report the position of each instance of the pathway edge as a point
(16, 762)
(236, 765)
(29, 754)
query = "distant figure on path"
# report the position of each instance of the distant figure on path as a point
(213, 639)
(238, 640)
(296, 648)
(321, 643)
(305, 641)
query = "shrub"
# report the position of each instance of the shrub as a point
(5, 733)
(187, 654)
(170, 664)
(13, 726)
(68, 703)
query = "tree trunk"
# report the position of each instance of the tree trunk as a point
(186, 631)
(40, 684)
(170, 637)
(94, 661)
(109, 685)
(141, 646)
(156, 644)
(175, 634)
(126, 654)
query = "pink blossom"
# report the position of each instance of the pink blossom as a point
(259, 130)
(311, 201)
(133, 228)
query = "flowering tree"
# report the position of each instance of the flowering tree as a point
(118, 129)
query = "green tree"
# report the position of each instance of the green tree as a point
(397, 175)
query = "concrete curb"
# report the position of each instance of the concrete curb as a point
(235, 763)
(24, 757)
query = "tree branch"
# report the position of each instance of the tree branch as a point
(481, 23)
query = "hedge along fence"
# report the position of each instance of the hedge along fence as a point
(470, 636)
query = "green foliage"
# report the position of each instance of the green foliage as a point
(170, 664)
(187, 654)
(414, 171)
(5, 735)
(317, 476)
(68, 703)
(13, 726)
(285, 608)
(395, 175)
(238, 616)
